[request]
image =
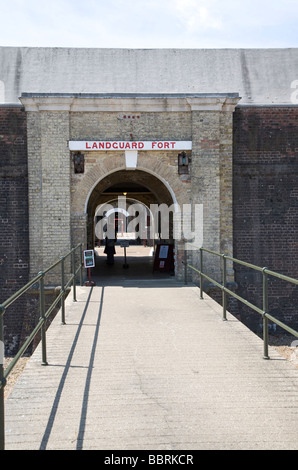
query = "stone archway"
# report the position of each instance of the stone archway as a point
(160, 178)
(149, 187)
(139, 187)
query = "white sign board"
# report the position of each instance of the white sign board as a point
(104, 145)
(89, 261)
(163, 251)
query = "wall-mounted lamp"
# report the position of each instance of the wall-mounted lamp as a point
(183, 163)
(79, 162)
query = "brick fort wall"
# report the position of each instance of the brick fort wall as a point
(265, 204)
(14, 240)
(265, 196)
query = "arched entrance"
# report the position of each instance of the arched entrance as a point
(123, 201)
(78, 143)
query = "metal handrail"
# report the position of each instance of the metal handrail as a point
(44, 315)
(223, 286)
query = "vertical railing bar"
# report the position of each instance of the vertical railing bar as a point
(224, 283)
(265, 310)
(73, 255)
(201, 272)
(42, 315)
(185, 265)
(81, 264)
(62, 290)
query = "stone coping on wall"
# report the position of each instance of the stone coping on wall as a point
(133, 102)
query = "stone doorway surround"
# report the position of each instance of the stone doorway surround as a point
(58, 198)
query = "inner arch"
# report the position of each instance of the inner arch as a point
(135, 187)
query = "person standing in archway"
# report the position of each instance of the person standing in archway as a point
(110, 242)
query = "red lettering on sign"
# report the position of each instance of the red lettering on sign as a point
(123, 145)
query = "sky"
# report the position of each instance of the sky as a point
(146, 24)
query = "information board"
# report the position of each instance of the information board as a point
(163, 260)
(89, 260)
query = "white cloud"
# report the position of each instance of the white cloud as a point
(149, 23)
(198, 15)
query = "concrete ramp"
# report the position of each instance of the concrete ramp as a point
(152, 367)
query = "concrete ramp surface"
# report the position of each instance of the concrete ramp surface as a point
(150, 366)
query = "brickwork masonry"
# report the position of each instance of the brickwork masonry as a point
(266, 206)
(14, 239)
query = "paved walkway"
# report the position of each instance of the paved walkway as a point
(150, 366)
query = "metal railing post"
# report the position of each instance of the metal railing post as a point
(201, 271)
(42, 316)
(265, 311)
(63, 292)
(81, 264)
(185, 265)
(73, 257)
(3, 383)
(224, 283)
